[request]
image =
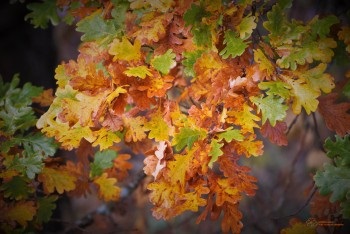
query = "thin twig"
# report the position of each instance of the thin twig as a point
(292, 124)
(313, 191)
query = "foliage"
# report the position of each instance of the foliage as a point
(23, 156)
(335, 178)
(188, 83)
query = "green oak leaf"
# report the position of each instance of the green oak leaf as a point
(215, 151)
(231, 134)
(235, 46)
(165, 62)
(42, 12)
(95, 28)
(17, 188)
(321, 27)
(102, 160)
(335, 181)
(277, 88)
(187, 137)
(190, 58)
(46, 206)
(195, 14)
(339, 150)
(272, 108)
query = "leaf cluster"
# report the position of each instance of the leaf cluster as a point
(191, 85)
(23, 152)
(334, 179)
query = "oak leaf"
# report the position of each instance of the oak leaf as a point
(272, 108)
(105, 138)
(135, 130)
(152, 28)
(231, 219)
(230, 134)
(303, 95)
(57, 179)
(121, 166)
(215, 151)
(235, 46)
(249, 147)
(317, 79)
(107, 191)
(165, 62)
(124, 50)
(246, 27)
(264, 63)
(186, 137)
(21, 212)
(46, 206)
(139, 71)
(159, 129)
(179, 166)
(154, 163)
(245, 118)
(45, 98)
(335, 113)
(102, 160)
(276, 134)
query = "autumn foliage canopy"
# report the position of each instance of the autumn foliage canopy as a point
(189, 84)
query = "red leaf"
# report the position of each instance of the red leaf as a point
(275, 134)
(335, 114)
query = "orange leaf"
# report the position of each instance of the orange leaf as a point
(82, 175)
(232, 219)
(57, 179)
(45, 98)
(21, 212)
(121, 166)
(249, 147)
(153, 28)
(93, 83)
(108, 191)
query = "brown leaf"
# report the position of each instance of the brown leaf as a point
(336, 114)
(275, 134)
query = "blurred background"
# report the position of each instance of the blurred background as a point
(285, 173)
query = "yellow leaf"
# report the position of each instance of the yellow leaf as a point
(57, 179)
(303, 95)
(264, 63)
(124, 50)
(153, 27)
(71, 137)
(115, 94)
(105, 138)
(159, 129)
(21, 212)
(249, 147)
(246, 27)
(178, 168)
(108, 191)
(317, 79)
(140, 71)
(245, 118)
(135, 130)
(61, 76)
(296, 227)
